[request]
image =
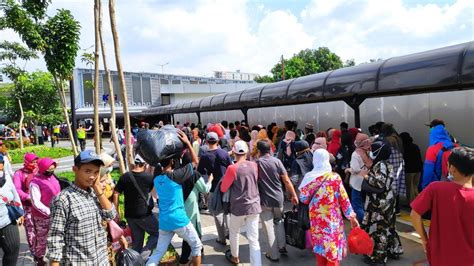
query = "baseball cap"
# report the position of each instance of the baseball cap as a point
(216, 129)
(240, 147)
(435, 122)
(87, 156)
(212, 136)
(139, 159)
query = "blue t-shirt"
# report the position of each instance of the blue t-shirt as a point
(171, 202)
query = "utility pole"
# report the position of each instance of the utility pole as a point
(282, 68)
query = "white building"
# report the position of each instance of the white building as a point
(237, 75)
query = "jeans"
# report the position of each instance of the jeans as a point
(188, 233)
(251, 222)
(139, 226)
(358, 204)
(273, 229)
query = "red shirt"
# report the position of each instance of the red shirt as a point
(451, 236)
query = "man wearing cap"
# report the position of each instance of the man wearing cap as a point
(76, 235)
(215, 161)
(436, 158)
(309, 134)
(241, 179)
(136, 186)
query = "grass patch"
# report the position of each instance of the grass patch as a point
(69, 175)
(41, 151)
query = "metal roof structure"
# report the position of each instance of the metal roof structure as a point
(445, 69)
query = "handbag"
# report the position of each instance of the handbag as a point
(14, 211)
(115, 230)
(303, 210)
(295, 236)
(368, 188)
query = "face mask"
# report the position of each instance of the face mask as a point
(48, 173)
(30, 166)
(372, 156)
(450, 177)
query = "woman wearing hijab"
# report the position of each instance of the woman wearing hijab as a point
(323, 191)
(303, 162)
(286, 150)
(10, 235)
(379, 218)
(396, 160)
(43, 188)
(22, 179)
(335, 143)
(262, 135)
(253, 141)
(359, 167)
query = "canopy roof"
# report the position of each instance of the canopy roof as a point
(445, 69)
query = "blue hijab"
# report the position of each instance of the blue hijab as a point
(440, 134)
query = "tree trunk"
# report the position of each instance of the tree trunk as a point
(62, 96)
(113, 128)
(96, 78)
(22, 116)
(126, 117)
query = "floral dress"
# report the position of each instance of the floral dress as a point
(379, 219)
(327, 225)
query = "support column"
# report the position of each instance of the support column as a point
(199, 117)
(245, 112)
(354, 102)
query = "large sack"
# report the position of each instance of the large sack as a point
(156, 145)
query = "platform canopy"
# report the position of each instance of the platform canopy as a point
(445, 69)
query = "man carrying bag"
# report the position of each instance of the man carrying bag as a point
(136, 186)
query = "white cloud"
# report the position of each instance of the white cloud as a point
(199, 36)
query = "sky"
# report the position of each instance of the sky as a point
(197, 37)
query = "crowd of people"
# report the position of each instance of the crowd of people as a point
(242, 174)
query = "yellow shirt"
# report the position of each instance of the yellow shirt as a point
(81, 133)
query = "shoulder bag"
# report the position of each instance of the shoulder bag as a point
(147, 201)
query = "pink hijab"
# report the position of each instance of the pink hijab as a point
(362, 144)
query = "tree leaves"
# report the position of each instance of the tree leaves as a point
(307, 62)
(39, 97)
(61, 34)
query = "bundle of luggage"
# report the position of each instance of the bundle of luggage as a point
(156, 145)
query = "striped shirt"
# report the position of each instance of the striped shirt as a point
(77, 236)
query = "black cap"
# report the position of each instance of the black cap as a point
(436, 122)
(87, 156)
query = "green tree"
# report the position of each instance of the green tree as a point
(56, 37)
(307, 62)
(349, 63)
(61, 34)
(10, 52)
(264, 79)
(39, 98)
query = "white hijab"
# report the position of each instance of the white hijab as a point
(321, 166)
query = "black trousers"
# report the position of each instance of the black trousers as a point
(10, 244)
(82, 143)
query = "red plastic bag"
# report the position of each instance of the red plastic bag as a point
(360, 242)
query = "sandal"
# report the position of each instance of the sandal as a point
(270, 258)
(230, 258)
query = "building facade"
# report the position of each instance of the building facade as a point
(145, 90)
